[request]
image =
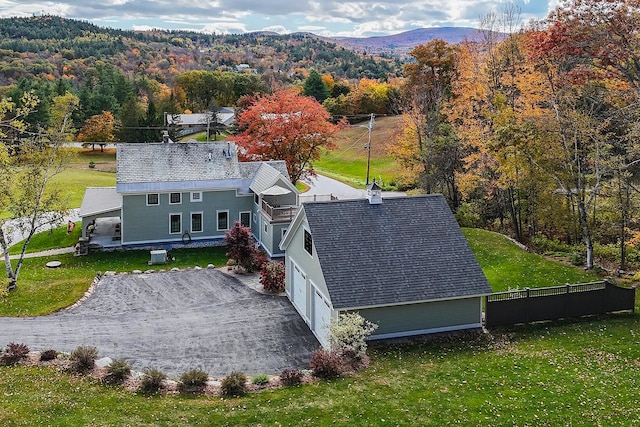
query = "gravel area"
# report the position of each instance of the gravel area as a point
(176, 321)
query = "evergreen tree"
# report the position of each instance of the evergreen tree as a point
(315, 87)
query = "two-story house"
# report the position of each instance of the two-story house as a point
(174, 194)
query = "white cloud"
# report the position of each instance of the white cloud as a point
(277, 29)
(329, 17)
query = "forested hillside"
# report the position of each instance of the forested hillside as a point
(52, 47)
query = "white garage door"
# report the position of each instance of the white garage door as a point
(321, 318)
(300, 291)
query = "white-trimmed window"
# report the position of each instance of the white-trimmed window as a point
(223, 220)
(196, 196)
(175, 198)
(256, 199)
(196, 222)
(265, 227)
(308, 242)
(245, 218)
(284, 231)
(175, 223)
(153, 199)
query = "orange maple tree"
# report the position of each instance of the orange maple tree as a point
(99, 129)
(286, 126)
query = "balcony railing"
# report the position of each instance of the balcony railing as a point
(280, 213)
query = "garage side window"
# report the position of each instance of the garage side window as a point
(308, 242)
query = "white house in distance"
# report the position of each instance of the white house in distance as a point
(402, 263)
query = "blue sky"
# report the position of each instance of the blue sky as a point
(327, 18)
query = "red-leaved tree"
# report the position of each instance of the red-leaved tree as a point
(286, 126)
(241, 247)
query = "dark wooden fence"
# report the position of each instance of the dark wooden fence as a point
(533, 305)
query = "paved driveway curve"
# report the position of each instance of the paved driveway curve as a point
(176, 321)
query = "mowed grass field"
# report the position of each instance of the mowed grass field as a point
(581, 372)
(348, 161)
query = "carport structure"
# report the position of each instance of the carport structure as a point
(101, 216)
(176, 321)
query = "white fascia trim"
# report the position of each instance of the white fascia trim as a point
(425, 331)
(293, 227)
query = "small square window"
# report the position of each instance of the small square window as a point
(153, 199)
(308, 242)
(223, 220)
(196, 196)
(175, 198)
(196, 222)
(175, 223)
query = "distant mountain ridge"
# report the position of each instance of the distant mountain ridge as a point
(400, 44)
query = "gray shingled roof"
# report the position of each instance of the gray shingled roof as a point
(186, 166)
(265, 177)
(99, 200)
(404, 250)
(160, 162)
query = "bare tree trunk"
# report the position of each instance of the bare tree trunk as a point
(7, 261)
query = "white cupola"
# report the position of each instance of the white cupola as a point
(374, 194)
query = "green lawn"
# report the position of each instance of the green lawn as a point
(72, 182)
(507, 267)
(580, 373)
(348, 161)
(42, 290)
(202, 137)
(52, 239)
(583, 373)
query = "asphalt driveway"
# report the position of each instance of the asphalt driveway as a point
(176, 321)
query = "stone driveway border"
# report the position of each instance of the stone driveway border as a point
(176, 321)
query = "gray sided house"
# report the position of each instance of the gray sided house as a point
(402, 263)
(174, 194)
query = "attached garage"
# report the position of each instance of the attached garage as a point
(402, 263)
(423, 318)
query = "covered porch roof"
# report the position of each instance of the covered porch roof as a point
(100, 200)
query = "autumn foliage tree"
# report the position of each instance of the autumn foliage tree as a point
(589, 51)
(428, 145)
(286, 126)
(28, 167)
(100, 128)
(241, 247)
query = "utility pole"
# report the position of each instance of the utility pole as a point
(370, 127)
